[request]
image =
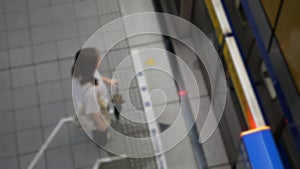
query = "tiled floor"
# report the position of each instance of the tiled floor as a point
(38, 39)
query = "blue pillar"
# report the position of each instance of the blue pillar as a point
(261, 149)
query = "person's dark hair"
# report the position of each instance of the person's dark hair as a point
(85, 65)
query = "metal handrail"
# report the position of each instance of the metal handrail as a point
(100, 161)
(48, 140)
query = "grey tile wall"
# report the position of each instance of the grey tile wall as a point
(22, 76)
(5, 77)
(65, 67)
(33, 4)
(6, 101)
(61, 139)
(27, 118)
(47, 72)
(25, 97)
(29, 140)
(7, 122)
(52, 113)
(67, 48)
(8, 145)
(50, 92)
(9, 162)
(44, 52)
(40, 16)
(85, 9)
(38, 39)
(25, 159)
(2, 23)
(20, 56)
(3, 43)
(14, 5)
(87, 26)
(15, 20)
(108, 6)
(59, 158)
(42, 34)
(18, 38)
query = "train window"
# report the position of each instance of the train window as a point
(271, 9)
(178, 3)
(242, 14)
(288, 36)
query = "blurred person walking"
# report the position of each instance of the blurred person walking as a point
(90, 94)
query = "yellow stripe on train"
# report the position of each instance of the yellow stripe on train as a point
(218, 18)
